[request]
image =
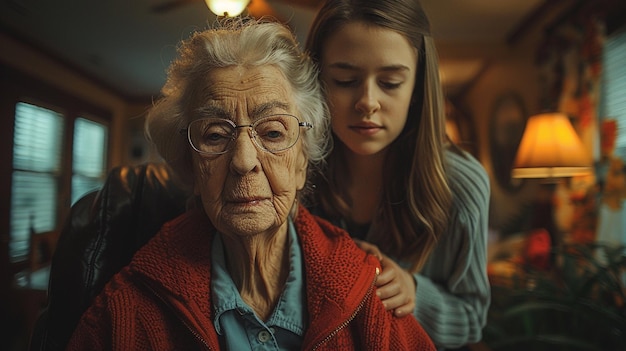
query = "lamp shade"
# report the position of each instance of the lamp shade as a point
(550, 148)
(227, 8)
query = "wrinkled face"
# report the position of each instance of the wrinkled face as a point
(248, 191)
(369, 72)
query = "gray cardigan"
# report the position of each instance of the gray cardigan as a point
(453, 291)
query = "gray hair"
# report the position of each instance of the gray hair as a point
(235, 42)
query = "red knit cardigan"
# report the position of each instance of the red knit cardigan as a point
(162, 299)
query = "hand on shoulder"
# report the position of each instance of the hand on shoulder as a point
(395, 286)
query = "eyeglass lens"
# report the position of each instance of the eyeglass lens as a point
(217, 135)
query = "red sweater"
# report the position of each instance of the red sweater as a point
(162, 299)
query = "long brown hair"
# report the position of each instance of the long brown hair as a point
(416, 195)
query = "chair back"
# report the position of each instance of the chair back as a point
(100, 236)
(42, 247)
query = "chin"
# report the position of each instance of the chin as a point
(247, 225)
(367, 149)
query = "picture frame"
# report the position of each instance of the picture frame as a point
(506, 128)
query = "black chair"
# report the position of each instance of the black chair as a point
(101, 234)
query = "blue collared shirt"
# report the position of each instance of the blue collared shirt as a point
(236, 323)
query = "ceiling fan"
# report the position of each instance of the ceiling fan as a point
(255, 8)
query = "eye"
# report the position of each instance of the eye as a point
(344, 83)
(390, 85)
(216, 133)
(271, 130)
(273, 134)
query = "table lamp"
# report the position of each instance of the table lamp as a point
(550, 150)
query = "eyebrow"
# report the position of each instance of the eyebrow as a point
(262, 109)
(256, 113)
(212, 111)
(389, 68)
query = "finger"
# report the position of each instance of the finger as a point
(404, 310)
(389, 290)
(395, 302)
(369, 248)
(390, 271)
(388, 275)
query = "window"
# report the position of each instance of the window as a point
(36, 166)
(89, 159)
(613, 103)
(38, 175)
(612, 206)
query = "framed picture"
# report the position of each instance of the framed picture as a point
(508, 120)
(460, 128)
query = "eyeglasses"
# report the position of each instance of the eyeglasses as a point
(216, 136)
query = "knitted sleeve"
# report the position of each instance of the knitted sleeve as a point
(93, 330)
(453, 291)
(380, 330)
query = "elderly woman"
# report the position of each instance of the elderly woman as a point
(241, 122)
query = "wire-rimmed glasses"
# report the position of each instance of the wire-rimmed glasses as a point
(216, 136)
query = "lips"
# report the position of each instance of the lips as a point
(366, 128)
(243, 200)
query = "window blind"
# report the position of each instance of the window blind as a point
(613, 103)
(37, 145)
(89, 157)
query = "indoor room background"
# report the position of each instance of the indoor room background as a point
(69, 113)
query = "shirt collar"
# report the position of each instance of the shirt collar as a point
(289, 312)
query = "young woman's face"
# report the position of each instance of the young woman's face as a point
(369, 73)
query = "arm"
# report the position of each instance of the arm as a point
(91, 329)
(453, 291)
(454, 311)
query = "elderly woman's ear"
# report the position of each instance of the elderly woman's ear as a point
(196, 188)
(301, 166)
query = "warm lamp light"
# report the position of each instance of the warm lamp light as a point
(227, 8)
(550, 148)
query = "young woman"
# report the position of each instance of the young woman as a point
(393, 179)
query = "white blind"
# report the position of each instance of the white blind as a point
(89, 157)
(37, 138)
(613, 104)
(37, 144)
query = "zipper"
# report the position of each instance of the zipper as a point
(182, 320)
(351, 318)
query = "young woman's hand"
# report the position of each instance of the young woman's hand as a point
(396, 286)
(370, 249)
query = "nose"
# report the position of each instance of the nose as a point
(244, 153)
(367, 103)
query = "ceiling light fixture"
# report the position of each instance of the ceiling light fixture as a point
(227, 8)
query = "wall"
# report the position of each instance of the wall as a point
(17, 57)
(513, 70)
(31, 62)
(513, 75)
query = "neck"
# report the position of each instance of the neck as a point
(259, 266)
(365, 166)
(366, 184)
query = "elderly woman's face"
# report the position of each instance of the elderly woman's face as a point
(248, 191)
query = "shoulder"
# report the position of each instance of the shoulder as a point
(188, 235)
(468, 180)
(191, 221)
(118, 297)
(310, 221)
(326, 246)
(379, 327)
(321, 236)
